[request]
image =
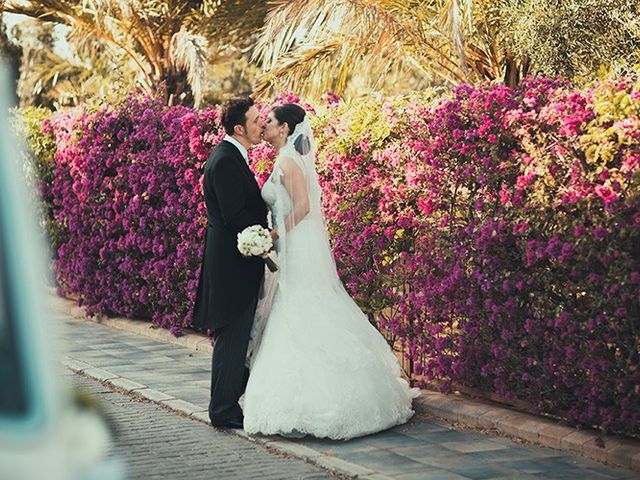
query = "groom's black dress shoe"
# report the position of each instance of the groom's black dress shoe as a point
(231, 423)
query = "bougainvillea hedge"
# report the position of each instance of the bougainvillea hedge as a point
(493, 233)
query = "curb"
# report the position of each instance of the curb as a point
(195, 412)
(533, 429)
(450, 407)
(193, 341)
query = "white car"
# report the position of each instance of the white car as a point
(42, 433)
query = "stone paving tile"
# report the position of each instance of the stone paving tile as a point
(444, 436)
(201, 400)
(392, 440)
(140, 342)
(582, 468)
(335, 463)
(75, 365)
(477, 446)
(434, 474)
(187, 391)
(126, 384)
(165, 348)
(89, 354)
(124, 369)
(99, 374)
(174, 368)
(558, 468)
(537, 468)
(424, 453)
(104, 345)
(195, 370)
(621, 455)
(187, 356)
(112, 362)
(155, 384)
(119, 352)
(423, 448)
(150, 382)
(417, 427)
(450, 462)
(157, 444)
(482, 472)
(75, 349)
(206, 384)
(507, 454)
(169, 381)
(334, 447)
(181, 405)
(386, 462)
(173, 374)
(150, 358)
(153, 395)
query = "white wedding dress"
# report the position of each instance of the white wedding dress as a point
(320, 368)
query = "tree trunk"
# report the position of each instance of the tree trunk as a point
(178, 90)
(514, 70)
(511, 71)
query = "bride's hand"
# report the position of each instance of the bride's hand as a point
(274, 235)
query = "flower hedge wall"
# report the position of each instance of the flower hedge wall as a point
(495, 234)
(127, 193)
(492, 233)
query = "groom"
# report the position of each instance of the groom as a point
(229, 283)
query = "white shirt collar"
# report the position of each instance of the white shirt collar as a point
(239, 146)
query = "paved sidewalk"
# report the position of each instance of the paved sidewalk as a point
(178, 377)
(154, 444)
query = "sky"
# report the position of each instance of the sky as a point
(10, 21)
(61, 46)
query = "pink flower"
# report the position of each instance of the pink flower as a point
(599, 233)
(606, 194)
(523, 181)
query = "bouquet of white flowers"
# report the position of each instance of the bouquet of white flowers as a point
(255, 241)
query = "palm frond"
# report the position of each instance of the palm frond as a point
(189, 53)
(232, 22)
(386, 32)
(296, 69)
(62, 81)
(152, 33)
(455, 12)
(57, 11)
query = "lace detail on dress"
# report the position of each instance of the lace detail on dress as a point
(322, 369)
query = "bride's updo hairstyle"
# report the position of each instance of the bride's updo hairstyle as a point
(292, 115)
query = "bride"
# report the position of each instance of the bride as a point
(320, 367)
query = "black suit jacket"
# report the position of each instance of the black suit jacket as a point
(228, 281)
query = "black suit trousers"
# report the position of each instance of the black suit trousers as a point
(229, 375)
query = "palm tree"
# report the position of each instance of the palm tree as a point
(50, 80)
(317, 45)
(313, 46)
(168, 42)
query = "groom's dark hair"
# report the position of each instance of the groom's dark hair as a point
(234, 112)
